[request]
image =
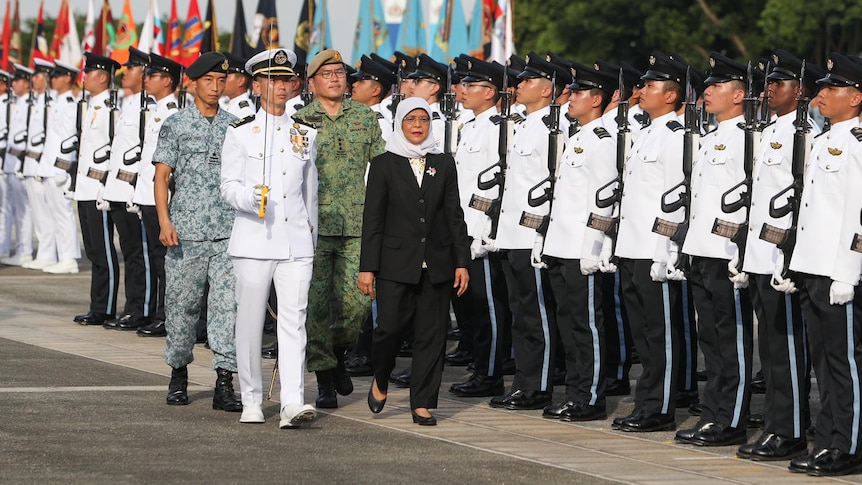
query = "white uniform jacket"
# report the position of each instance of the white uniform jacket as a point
(159, 112)
(240, 106)
(61, 127)
(384, 119)
(478, 149)
(126, 138)
(285, 163)
(17, 129)
(94, 135)
(36, 135)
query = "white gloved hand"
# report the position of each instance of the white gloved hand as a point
(590, 266)
(536, 254)
(478, 250)
(490, 245)
(133, 208)
(840, 293)
(60, 179)
(68, 194)
(658, 272)
(102, 204)
(779, 283)
(673, 273)
(605, 264)
(19, 175)
(257, 196)
(739, 278)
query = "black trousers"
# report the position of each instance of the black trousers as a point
(783, 358)
(580, 322)
(686, 335)
(534, 322)
(725, 333)
(834, 342)
(154, 259)
(97, 230)
(618, 334)
(654, 309)
(424, 308)
(137, 285)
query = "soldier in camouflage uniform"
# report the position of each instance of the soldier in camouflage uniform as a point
(348, 137)
(196, 229)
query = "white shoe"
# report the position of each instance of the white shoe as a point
(293, 415)
(38, 264)
(252, 414)
(65, 266)
(17, 260)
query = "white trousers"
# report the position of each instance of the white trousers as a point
(43, 222)
(5, 225)
(65, 222)
(19, 216)
(292, 279)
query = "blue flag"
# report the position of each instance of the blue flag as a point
(320, 37)
(412, 36)
(450, 39)
(475, 44)
(372, 33)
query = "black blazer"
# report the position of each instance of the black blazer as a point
(404, 224)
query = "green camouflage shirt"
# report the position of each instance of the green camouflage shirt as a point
(346, 143)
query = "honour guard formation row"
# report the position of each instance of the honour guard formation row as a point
(576, 217)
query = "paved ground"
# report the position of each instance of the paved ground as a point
(86, 405)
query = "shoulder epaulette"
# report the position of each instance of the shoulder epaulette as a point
(435, 116)
(379, 115)
(172, 105)
(857, 132)
(643, 119)
(547, 120)
(741, 125)
(302, 122)
(243, 104)
(70, 99)
(675, 125)
(242, 121)
(298, 106)
(517, 118)
(575, 127)
(601, 132)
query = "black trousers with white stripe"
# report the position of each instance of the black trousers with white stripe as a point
(534, 322)
(686, 334)
(618, 335)
(783, 358)
(580, 322)
(725, 332)
(136, 281)
(834, 343)
(155, 253)
(97, 231)
(653, 309)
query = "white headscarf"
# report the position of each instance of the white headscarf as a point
(398, 143)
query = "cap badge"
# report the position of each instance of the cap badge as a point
(527, 59)
(337, 56)
(652, 60)
(829, 64)
(280, 58)
(548, 58)
(225, 65)
(469, 65)
(712, 62)
(775, 59)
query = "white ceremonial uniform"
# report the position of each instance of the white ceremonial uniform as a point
(5, 109)
(527, 166)
(35, 135)
(771, 174)
(94, 135)
(654, 165)
(718, 167)
(294, 104)
(118, 187)
(147, 171)
(240, 106)
(15, 195)
(438, 124)
(848, 264)
(277, 249)
(383, 120)
(61, 126)
(636, 114)
(477, 150)
(35, 217)
(588, 162)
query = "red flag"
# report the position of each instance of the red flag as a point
(12, 46)
(39, 44)
(193, 35)
(61, 29)
(7, 37)
(172, 40)
(125, 36)
(104, 31)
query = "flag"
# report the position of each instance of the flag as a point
(476, 45)
(440, 46)
(193, 35)
(303, 31)
(173, 38)
(502, 40)
(450, 38)
(12, 48)
(210, 41)
(125, 36)
(412, 36)
(65, 45)
(265, 26)
(148, 41)
(320, 37)
(89, 42)
(104, 31)
(372, 33)
(239, 38)
(38, 43)
(7, 37)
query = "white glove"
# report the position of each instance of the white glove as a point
(133, 208)
(673, 273)
(68, 194)
(19, 175)
(658, 272)
(478, 250)
(257, 196)
(739, 278)
(590, 266)
(490, 245)
(60, 179)
(605, 265)
(536, 254)
(784, 285)
(102, 204)
(840, 293)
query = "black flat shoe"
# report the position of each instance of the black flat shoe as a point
(374, 404)
(422, 420)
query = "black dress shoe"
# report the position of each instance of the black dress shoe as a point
(459, 358)
(270, 352)
(374, 404)
(555, 410)
(503, 399)
(744, 451)
(835, 463)
(479, 386)
(616, 387)
(177, 389)
(155, 329)
(686, 435)
(719, 435)
(523, 400)
(358, 365)
(758, 383)
(224, 397)
(454, 334)
(777, 447)
(133, 323)
(114, 323)
(93, 318)
(755, 420)
(802, 464)
(584, 412)
(401, 379)
(423, 420)
(619, 420)
(695, 409)
(685, 399)
(648, 423)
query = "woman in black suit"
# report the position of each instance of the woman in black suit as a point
(414, 244)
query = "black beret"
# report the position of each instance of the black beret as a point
(663, 68)
(93, 62)
(206, 63)
(158, 63)
(724, 69)
(842, 71)
(137, 57)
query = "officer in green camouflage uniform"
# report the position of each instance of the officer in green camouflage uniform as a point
(348, 137)
(196, 229)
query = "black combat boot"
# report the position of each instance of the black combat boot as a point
(343, 384)
(326, 397)
(177, 389)
(224, 398)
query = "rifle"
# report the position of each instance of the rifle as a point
(397, 95)
(605, 224)
(4, 135)
(72, 145)
(764, 116)
(133, 155)
(785, 239)
(491, 207)
(555, 149)
(733, 231)
(450, 142)
(181, 96)
(306, 95)
(22, 136)
(677, 231)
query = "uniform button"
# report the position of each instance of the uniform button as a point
(421, 201)
(284, 196)
(422, 240)
(285, 219)
(827, 167)
(278, 129)
(421, 219)
(750, 229)
(282, 150)
(284, 173)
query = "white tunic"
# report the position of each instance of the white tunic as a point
(61, 126)
(477, 150)
(36, 135)
(125, 145)
(94, 136)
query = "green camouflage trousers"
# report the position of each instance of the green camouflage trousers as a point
(187, 269)
(336, 307)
